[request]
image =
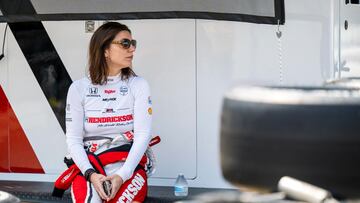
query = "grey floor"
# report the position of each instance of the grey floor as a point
(41, 192)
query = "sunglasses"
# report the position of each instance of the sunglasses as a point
(125, 43)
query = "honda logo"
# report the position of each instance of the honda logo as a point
(93, 90)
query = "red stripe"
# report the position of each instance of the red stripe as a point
(20, 156)
(4, 133)
(96, 164)
(79, 188)
(155, 140)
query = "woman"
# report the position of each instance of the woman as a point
(104, 111)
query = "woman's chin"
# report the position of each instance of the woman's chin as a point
(129, 65)
(119, 67)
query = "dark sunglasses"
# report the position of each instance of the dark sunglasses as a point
(125, 43)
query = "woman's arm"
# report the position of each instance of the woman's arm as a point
(75, 127)
(75, 136)
(142, 127)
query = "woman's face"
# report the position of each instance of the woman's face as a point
(117, 56)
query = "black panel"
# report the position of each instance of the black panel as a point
(146, 15)
(280, 11)
(279, 15)
(41, 56)
(15, 7)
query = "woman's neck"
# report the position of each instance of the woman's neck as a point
(114, 71)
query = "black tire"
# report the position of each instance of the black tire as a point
(309, 133)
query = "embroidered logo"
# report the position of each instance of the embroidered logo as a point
(67, 176)
(124, 90)
(109, 91)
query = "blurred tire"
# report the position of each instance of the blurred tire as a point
(8, 198)
(309, 133)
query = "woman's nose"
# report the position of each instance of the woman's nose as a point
(132, 48)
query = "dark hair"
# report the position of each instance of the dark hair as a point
(99, 42)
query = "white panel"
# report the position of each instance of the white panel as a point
(335, 35)
(350, 40)
(227, 52)
(165, 57)
(71, 42)
(30, 177)
(307, 42)
(33, 111)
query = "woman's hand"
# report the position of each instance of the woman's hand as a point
(97, 180)
(116, 182)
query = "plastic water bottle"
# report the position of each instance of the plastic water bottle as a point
(181, 186)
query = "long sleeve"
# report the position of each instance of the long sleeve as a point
(142, 127)
(75, 127)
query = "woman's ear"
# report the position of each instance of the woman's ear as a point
(106, 53)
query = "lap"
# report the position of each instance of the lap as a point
(133, 190)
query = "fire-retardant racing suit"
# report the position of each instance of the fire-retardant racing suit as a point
(95, 113)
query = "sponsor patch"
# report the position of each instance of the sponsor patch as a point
(93, 92)
(109, 99)
(93, 147)
(124, 90)
(109, 91)
(64, 179)
(150, 111)
(109, 111)
(112, 119)
(128, 135)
